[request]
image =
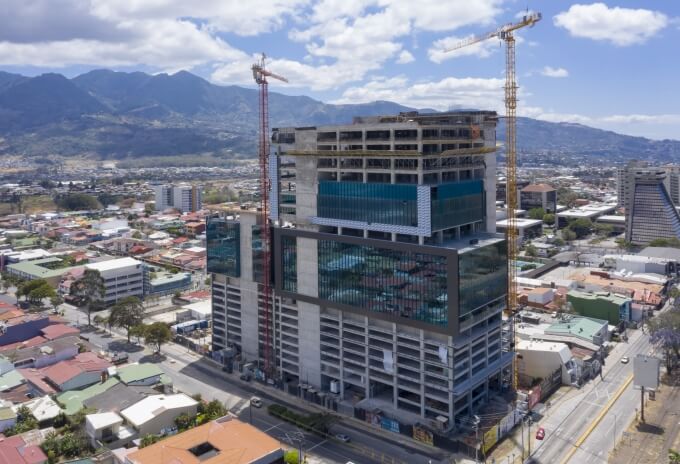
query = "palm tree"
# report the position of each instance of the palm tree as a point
(91, 289)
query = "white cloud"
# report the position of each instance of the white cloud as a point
(405, 57)
(549, 71)
(447, 93)
(620, 26)
(438, 52)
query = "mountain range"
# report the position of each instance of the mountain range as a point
(107, 114)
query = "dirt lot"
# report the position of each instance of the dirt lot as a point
(648, 443)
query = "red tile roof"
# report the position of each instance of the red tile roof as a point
(39, 340)
(36, 378)
(54, 331)
(13, 450)
(64, 371)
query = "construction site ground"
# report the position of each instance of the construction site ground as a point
(648, 442)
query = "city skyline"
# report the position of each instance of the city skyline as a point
(590, 63)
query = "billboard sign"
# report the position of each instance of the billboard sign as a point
(646, 370)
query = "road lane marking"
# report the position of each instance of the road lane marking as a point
(577, 444)
(320, 443)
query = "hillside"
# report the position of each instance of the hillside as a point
(109, 114)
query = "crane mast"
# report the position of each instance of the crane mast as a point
(260, 74)
(506, 33)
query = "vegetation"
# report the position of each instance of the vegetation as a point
(149, 440)
(664, 331)
(156, 335)
(568, 235)
(291, 457)
(67, 445)
(184, 422)
(222, 195)
(91, 290)
(623, 244)
(25, 422)
(673, 457)
(604, 230)
(582, 227)
(77, 202)
(531, 250)
(566, 197)
(137, 331)
(311, 422)
(126, 314)
(672, 242)
(549, 218)
(536, 213)
(35, 291)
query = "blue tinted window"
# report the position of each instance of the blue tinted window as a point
(457, 203)
(289, 263)
(483, 276)
(223, 240)
(405, 284)
(375, 203)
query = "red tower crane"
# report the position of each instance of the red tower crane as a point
(260, 74)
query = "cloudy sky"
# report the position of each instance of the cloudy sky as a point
(611, 65)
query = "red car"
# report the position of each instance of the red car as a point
(540, 433)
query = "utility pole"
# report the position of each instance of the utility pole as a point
(476, 426)
(529, 437)
(642, 404)
(521, 425)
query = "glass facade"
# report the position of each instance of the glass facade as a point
(373, 203)
(258, 254)
(457, 203)
(405, 284)
(289, 263)
(483, 276)
(223, 242)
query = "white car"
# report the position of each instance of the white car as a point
(625, 360)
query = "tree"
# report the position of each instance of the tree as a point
(558, 242)
(25, 288)
(604, 230)
(157, 334)
(98, 319)
(291, 457)
(215, 410)
(56, 300)
(138, 331)
(531, 250)
(536, 213)
(664, 332)
(127, 313)
(673, 457)
(25, 422)
(566, 197)
(672, 242)
(623, 244)
(568, 235)
(137, 234)
(37, 295)
(581, 227)
(91, 289)
(549, 218)
(674, 293)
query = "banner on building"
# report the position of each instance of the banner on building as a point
(423, 435)
(490, 438)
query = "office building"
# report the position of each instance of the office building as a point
(184, 197)
(625, 179)
(123, 277)
(538, 196)
(650, 213)
(389, 277)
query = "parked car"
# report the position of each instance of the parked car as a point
(625, 360)
(540, 433)
(256, 402)
(342, 437)
(119, 358)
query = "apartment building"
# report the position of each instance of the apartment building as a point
(184, 197)
(389, 277)
(625, 180)
(123, 277)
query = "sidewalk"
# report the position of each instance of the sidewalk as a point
(648, 443)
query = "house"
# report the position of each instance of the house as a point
(539, 359)
(157, 413)
(14, 450)
(107, 429)
(225, 440)
(589, 329)
(45, 352)
(602, 305)
(85, 369)
(44, 409)
(8, 417)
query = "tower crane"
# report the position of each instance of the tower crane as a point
(261, 74)
(506, 34)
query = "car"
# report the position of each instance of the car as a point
(625, 360)
(256, 402)
(342, 437)
(540, 433)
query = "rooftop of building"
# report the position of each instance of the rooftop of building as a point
(138, 372)
(612, 218)
(118, 397)
(474, 242)
(153, 406)
(103, 419)
(64, 371)
(587, 211)
(661, 252)
(612, 297)
(73, 400)
(538, 188)
(585, 327)
(521, 223)
(34, 268)
(113, 264)
(14, 450)
(224, 441)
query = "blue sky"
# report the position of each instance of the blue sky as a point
(611, 65)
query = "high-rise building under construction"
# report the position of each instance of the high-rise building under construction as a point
(389, 278)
